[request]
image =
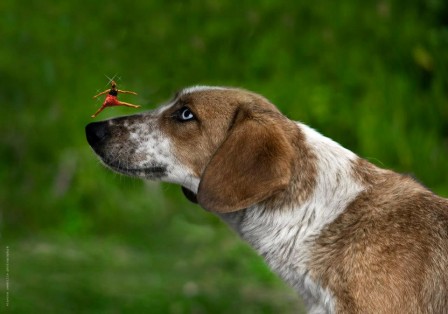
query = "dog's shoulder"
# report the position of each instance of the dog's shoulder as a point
(394, 228)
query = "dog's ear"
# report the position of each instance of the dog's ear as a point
(252, 164)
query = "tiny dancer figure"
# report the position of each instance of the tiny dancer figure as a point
(111, 98)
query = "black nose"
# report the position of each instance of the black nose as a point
(96, 132)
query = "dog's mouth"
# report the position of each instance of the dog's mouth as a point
(150, 172)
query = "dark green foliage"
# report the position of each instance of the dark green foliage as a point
(372, 75)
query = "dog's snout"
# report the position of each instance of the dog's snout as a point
(96, 132)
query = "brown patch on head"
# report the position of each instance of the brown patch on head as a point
(243, 149)
(214, 109)
(388, 252)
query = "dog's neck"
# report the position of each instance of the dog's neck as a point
(334, 187)
(282, 235)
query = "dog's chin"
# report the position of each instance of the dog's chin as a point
(151, 172)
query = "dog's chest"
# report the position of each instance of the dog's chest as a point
(283, 239)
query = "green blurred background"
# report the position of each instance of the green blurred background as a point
(373, 75)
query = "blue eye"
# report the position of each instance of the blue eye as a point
(184, 114)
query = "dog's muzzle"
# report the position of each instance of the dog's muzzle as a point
(102, 137)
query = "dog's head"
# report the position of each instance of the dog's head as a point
(228, 146)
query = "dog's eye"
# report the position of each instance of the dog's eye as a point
(185, 114)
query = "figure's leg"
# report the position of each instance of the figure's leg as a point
(98, 111)
(121, 103)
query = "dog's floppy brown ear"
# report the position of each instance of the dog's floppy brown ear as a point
(252, 164)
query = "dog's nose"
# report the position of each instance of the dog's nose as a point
(96, 132)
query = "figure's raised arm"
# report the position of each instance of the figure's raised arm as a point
(127, 92)
(102, 93)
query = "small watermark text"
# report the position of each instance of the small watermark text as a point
(7, 276)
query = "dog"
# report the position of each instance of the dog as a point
(348, 236)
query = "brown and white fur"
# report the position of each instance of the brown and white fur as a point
(348, 236)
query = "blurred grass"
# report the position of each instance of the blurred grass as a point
(372, 75)
(104, 275)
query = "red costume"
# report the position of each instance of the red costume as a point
(112, 100)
